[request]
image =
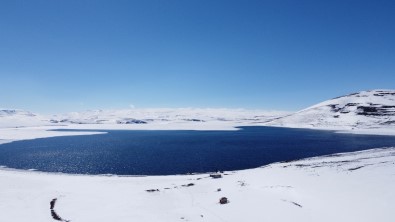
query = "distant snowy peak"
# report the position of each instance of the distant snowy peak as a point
(362, 110)
(366, 109)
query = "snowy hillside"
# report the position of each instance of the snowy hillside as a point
(363, 110)
(19, 118)
(355, 186)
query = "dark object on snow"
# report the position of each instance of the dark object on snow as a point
(194, 120)
(242, 183)
(216, 176)
(52, 203)
(223, 200)
(188, 185)
(355, 168)
(54, 215)
(152, 190)
(131, 121)
(296, 204)
(219, 189)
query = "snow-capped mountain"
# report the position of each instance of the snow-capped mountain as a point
(366, 109)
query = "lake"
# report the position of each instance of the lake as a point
(138, 152)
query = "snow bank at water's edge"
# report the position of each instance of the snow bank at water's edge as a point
(354, 186)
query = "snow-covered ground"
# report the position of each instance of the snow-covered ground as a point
(166, 115)
(20, 118)
(355, 186)
(26, 133)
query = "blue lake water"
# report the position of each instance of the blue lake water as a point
(179, 152)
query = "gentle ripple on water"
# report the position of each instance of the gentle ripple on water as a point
(178, 152)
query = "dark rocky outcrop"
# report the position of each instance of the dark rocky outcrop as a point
(223, 200)
(131, 121)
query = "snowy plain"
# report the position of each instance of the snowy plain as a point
(354, 186)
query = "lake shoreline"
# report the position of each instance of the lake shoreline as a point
(175, 152)
(11, 134)
(303, 190)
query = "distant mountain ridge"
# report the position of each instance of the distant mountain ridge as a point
(365, 109)
(362, 110)
(20, 118)
(164, 115)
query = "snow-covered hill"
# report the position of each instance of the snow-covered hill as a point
(164, 115)
(362, 110)
(20, 118)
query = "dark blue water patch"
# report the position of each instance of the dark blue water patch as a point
(137, 152)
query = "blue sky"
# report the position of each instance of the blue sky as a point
(60, 56)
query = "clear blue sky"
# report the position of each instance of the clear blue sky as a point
(74, 55)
